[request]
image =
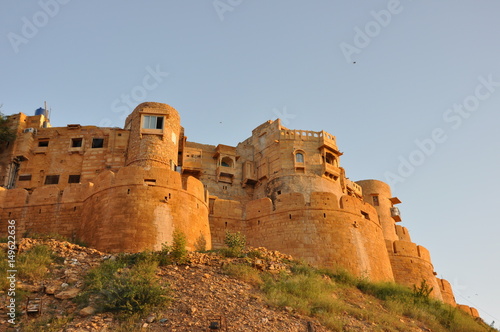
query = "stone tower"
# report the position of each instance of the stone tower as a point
(378, 194)
(289, 161)
(411, 263)
(154, 136)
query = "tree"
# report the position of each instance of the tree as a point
(6, 132)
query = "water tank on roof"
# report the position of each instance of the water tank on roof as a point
(42, 111)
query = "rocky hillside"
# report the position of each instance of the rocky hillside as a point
(207, 288)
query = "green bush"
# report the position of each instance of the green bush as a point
(176, 253)
(133, 290)
(179, 251)
(201, 244)
(126, 285)
(422, 293)
(235, 244)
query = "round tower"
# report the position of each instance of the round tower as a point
(154, 136)
(378, 194)
(411, 263)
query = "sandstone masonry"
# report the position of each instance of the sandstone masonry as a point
(128, 189)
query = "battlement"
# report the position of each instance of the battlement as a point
(446, 291)
(469, 310)
(406, 248)
(318, 200)
(402, 233)
(322, 137)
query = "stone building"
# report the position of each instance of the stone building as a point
(128, 189)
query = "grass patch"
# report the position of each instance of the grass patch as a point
(308, 293)
(49, 324)
(243, 272)
(417, 304)
(330, 295)
(384, 290)
(4, 266)
(33, 264)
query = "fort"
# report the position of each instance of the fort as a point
(127, 189)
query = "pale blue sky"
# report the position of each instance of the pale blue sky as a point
(227, 72)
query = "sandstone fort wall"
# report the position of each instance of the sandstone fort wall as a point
(132, 210)
(127, 190)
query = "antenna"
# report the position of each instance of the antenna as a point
(46, 113)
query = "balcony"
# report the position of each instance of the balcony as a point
(249, 177)
(225, 174)
(331, 171)
(225, 150)
(328, 141)
(354, 188)
(192, 161)
(395, 214)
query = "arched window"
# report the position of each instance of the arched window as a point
(226, 162)
(299, 157)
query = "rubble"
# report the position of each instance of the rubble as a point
(200, 293)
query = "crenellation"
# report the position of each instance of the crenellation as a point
(128, 189)
(325, 200)
(402, 233)
(289, 201)
(424, 253)
(404, 248)
(446, 291)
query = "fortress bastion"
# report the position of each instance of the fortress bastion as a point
(127, 189)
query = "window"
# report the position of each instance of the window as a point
(150, 182)
(43, 143)
(152, 122)
(97, 143)
(52, 179)
(76, 142)
(330, 159)
(299, 157)
(25, 177)
(74, 179)
(375, 201)
(226, 162)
